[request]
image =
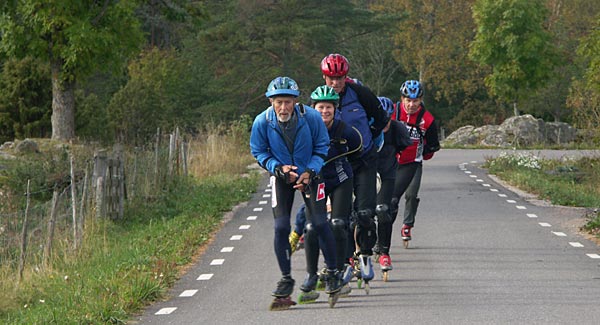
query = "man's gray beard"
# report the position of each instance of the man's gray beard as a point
(280, 119)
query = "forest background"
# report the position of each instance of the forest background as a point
(94, 73)
(120, 70)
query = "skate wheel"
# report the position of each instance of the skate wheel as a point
(406, 244)
(367, 288)
(281, 304)
(359, 283)
(385, 276)
(333, 298)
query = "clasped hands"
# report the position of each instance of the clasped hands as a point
(288, 173)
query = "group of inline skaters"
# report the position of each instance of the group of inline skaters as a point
(332, 152)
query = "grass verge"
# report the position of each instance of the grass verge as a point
(569, 182)
(126, 264)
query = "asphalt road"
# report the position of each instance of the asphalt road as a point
(480, 254)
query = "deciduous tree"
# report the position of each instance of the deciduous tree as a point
(75, 38)
(512, 40)
(585, 94)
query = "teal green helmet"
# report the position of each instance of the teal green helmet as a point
(282, 86)
(325, 94)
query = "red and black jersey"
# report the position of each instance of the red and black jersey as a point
(423, 133)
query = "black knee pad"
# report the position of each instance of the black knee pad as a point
(383, 213)
(338, 226)
(365, 218)
(310, 230)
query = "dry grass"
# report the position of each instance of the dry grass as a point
(211, 151)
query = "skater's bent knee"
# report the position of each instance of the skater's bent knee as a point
(365, 218)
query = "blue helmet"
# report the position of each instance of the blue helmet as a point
(387, 105)
(411, 89)
(282, 86)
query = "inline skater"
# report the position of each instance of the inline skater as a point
(345, 142)
(290, 141)
(396, 139)
(422, 129)
(357, 106)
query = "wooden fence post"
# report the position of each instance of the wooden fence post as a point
(74, 204)
(183, 154)
(82, 205)
(99, 180)
(51, 224)
(99, 197)
(172, 146)
(156, 151)
(24, 235)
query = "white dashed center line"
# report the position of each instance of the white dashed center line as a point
(486, 185)
(521, 207)
(511, 201)
(205, 276)
(251, 218)
(266, 195)
(473, 176)
(479, 180)
(257, 209)
(593, 255)
(559, 234)
(575, 244)
(263, 202)
(531, 215)
(236, 237)
(217, 261)
(166, 311)
(493, 190)
(227, 249)
(244, 227)
(544, 224)
(502, 195)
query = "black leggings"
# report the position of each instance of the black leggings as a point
(282, 201)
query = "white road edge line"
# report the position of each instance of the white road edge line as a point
(166, 311)
(188, 293)
(205, 277)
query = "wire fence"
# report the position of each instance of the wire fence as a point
(91, 187)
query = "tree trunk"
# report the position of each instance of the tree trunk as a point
(63, 105)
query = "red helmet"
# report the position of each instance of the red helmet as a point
(335, 65)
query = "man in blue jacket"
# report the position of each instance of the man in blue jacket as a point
(290, 141)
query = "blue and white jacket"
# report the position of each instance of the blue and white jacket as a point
(268, 145)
